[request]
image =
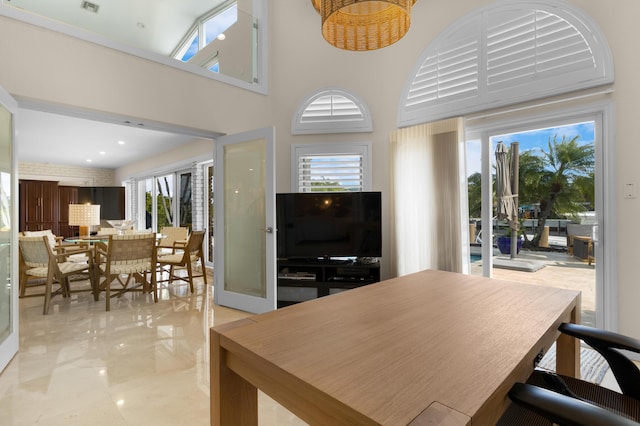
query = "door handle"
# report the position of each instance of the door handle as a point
(268, 230)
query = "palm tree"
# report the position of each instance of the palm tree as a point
(474, 184)
(557, 179)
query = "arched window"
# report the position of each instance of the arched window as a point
(506, 53)
(331, 111)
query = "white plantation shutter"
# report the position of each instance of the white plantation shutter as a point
(322, 173)
(450, 73)
(328, 167)
(525, 45)
(333, 107)
(331, 111)
(504, 54)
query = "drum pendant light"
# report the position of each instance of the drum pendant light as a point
(361, 25)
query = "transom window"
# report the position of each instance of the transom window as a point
(331, 111)
(503, 54)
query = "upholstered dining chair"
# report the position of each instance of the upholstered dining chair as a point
(131, 256)
(184, 256)
(40, 261)
(549, 398)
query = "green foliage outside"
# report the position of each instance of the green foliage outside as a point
(559, 179)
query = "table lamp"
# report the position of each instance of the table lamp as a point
(84, 216)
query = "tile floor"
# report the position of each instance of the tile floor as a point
(142, 363)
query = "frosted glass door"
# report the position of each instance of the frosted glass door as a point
(8, 241)
(244, 222)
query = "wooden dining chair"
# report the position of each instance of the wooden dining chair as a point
(170, 235)
(184, 256)
(42, 262)
(123, 259)
(58, 245)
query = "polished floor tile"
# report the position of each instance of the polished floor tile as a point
(142, 363)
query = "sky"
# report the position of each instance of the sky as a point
(534, 139)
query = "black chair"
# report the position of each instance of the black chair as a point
(549, 398)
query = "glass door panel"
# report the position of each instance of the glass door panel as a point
(244, 259)
(210, 211)
(245, 217)
(184, 200)
(8, 243)
(557, 205)
(164, 200)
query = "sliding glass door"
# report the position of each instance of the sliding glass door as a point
(562, 206)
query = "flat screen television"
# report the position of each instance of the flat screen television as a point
(314, 225)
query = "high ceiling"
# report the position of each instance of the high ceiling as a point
(152, 25)
(46, 137)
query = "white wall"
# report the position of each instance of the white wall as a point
(55, 68)
(67, 175)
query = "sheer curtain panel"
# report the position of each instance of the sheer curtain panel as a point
(426, 197)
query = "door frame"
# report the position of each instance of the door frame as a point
(9, 346)
(603, 113)
(221, 296)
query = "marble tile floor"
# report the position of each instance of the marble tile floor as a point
(142, 363)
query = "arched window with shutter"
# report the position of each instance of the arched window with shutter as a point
(331, 110)
(506, 53)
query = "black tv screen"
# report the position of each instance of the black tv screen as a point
(329, 224)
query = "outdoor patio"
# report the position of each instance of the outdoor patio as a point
(560, 270)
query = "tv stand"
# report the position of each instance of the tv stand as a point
(306, 279)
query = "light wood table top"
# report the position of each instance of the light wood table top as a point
(428, 347)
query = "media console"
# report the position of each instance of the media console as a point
(301, 280)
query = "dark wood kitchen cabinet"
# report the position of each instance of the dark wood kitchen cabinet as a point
(39, 205)
(45, 205)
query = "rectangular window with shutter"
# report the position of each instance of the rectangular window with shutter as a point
(326, 168)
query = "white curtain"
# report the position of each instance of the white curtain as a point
(426, 217)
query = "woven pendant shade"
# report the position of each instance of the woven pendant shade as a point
(364, 24)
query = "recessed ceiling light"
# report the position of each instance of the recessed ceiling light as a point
(89, 160)
(102, 153)
(121, 142)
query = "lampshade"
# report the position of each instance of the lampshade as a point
(364, 24)
(84, 216)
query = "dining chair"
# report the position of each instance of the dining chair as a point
(170, 235)
(548, 398)
(130, 255)
(58, 246)
(107, 231)
(40, 261)
(184, 256)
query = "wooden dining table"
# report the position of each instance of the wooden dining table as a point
(427, 348)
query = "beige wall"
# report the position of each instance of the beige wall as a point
(55, 68)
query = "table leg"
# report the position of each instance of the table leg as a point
(568, 348)
(234, 401)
